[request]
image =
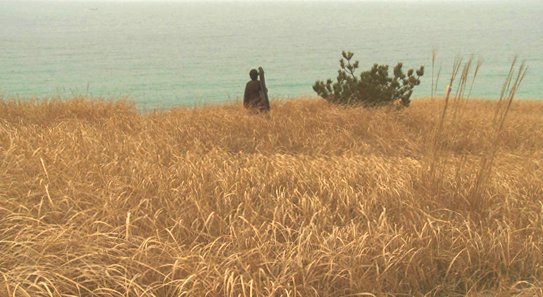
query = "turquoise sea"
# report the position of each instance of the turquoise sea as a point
(170, 53)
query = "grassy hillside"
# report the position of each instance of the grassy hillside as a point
(97, 199)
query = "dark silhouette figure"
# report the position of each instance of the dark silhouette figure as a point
(252, 99)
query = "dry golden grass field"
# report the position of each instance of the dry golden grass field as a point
(99, 199)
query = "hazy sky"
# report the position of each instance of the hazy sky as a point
(289, 0)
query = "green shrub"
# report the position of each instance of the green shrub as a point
(372, 88)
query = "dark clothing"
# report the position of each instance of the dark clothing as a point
(252, 99)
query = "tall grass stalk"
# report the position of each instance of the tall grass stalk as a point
(511, 85)
(479, 64)
(434, 55)
(430, 174)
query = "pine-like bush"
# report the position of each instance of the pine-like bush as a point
(371, 88)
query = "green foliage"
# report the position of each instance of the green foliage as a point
(372, 88)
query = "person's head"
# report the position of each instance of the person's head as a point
(253, 74)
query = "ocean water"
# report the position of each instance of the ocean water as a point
(170, 53)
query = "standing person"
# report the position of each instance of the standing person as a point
(251, 98)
